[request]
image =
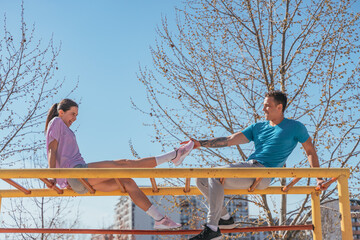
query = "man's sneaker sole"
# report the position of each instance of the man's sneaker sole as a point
(170, 229)
(217, 238)
(230, 226)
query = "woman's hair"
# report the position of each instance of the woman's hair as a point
(64, 105)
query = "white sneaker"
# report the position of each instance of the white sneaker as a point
(166, 223)
(182, 152)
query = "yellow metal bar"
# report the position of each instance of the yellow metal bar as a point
(175, 173)
(18, 186)
(344, 208)
(340, 173)
(174, 191)
(291, 184)
(51, 186)
(87, 185)
(153, 185)
(121, 186)
(316, 215)
(254, 185)
(187, 185)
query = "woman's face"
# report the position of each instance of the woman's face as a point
(69, 116)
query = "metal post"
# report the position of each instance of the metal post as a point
(316, 215)
(344, 207)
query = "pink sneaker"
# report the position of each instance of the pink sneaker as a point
(182, 152)
(166, 223)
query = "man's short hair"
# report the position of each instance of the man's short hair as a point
(279, 97)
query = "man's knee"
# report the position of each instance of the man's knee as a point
(202, 182)
(215, 182)
(264, 184)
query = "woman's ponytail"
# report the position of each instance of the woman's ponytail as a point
(53, 112)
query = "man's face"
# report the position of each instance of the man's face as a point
(69, 116)
(271, 109)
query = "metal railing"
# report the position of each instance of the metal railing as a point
(339, 175)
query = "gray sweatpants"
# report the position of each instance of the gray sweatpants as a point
(213, 190)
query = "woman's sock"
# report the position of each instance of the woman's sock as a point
(154, 213)
(165, 157)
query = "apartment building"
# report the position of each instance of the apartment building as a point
(190, 211)
(330, 218)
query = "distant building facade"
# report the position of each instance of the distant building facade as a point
(330, 218)
(355, 218)
(191, 211)
(187, 210)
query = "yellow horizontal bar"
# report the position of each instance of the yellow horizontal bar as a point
(172, 191)
(175, 173)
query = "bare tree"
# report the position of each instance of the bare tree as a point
(27, 82)
(212, 69)
(40, 212)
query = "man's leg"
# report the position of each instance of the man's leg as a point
(208, 186)
(203, 186)
(216, 201)
(245, 183)
(213, 190)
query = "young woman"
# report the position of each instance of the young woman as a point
(63, 152)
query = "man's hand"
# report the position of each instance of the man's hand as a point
(320, 182)
(196, 143)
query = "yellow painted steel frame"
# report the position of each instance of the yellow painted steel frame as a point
(341, 174)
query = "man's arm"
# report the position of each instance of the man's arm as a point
(234, 139)
(52, 153)
(312, 158)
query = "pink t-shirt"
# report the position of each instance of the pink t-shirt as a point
(68, 154)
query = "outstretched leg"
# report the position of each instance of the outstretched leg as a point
(137, 196)
(149, 162)
(176, 156)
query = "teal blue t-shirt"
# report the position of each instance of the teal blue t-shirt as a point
(274, 144)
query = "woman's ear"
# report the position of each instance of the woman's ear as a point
(61, 112)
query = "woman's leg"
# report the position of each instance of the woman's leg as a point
(123, 163)
(140, 200)
(109, 184)
(176, 156)
(137, 196)
(149, 162)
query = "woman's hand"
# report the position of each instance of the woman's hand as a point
(51, 183)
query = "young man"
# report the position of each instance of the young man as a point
(274, 141)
